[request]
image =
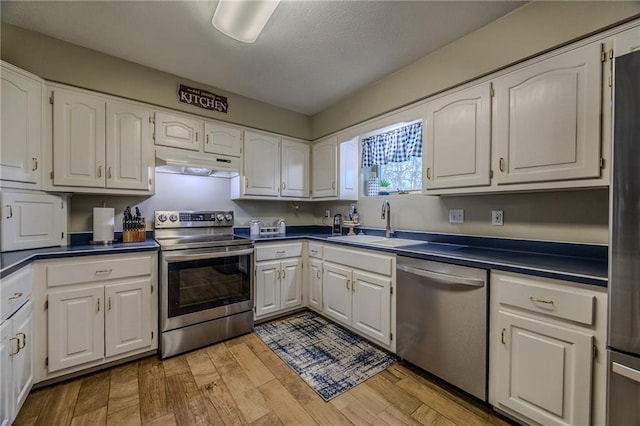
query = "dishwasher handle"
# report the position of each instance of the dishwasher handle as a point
(442, 278)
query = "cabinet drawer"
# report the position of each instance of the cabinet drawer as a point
(365, 260)
(14, 291)
(315, 250)
(539, 295)
(278, 251)
(92, 270)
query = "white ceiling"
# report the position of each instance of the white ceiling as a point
(310, 55)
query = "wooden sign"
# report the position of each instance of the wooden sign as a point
(202, 98)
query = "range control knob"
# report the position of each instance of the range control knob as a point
(162, 217)
(228, 217)
(173, 217)
(219, 217)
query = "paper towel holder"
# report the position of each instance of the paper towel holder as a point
(107, 225)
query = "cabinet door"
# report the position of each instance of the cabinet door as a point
(457, 139)
(267, 287)
(336, 292)
(76, 327)
(129, 154)
(127, 316)
(78, 140)
(22, 361)
(21, 128)
(291, 283)
(545, 370)
(372, 306)
(7, 347)
(31, 220)
(324, 168)
(315, 284)
(349, 170)
(261, 164)
(178, 131)
(222, 140)
(547, 123)
(295, 168)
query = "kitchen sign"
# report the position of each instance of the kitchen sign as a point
(202, 98)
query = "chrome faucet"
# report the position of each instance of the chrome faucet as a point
(386, 213)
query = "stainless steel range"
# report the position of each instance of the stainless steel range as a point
(206, 284)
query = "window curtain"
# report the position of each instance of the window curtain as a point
(394, 146)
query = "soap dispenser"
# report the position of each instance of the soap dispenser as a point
(282, 226)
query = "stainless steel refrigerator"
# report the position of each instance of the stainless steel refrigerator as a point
(623, 405)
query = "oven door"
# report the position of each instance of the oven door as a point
(204, 284)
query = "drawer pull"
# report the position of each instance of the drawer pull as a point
(280, 252)
(24, 341)
(536, 300)
(103, 271)
(15, 296)
(314, 251)
(12, 353)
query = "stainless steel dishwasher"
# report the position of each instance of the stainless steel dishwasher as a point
(441, 321)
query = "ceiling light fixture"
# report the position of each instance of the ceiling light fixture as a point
(243, 20)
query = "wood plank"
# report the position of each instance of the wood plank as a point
(175, 365)
(94, 393)
(406, 402)
(124, 391)
(202, 369)
(32, 406)
(428, 416)
(269, 419)
(166, 420)
(218, 394)
(284, 405)
(97, 417)
(436, 400)
(152, 387)
(393, 416)
(58, 409)
(358, 413)
(325, 413)
(129, 416)
(248, 399)
(187, 404)
(256, 370)
(342, 400)
(371, 399)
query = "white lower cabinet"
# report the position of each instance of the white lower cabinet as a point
(547, 348)
(314, 298)
(278, 283)
(357, 292)
(98, 309)
(16, 343)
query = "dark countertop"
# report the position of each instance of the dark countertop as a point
(13, 260)
(587, 264)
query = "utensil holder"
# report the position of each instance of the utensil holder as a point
(133, 231)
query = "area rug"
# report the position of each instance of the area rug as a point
(328, 357)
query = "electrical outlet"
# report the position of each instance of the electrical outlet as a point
(456, 216)
(327, 213)
(497, 217)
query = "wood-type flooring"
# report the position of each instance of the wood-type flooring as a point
(240, 382)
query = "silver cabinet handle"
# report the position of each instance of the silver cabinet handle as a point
(98, 304)
(24, 341)
(10, 211)
(99, 171)
(442, 278)
(428, 172)
(284, 185)
(501, 163)
(196, 136)
(206, 138)
(171, 258)
(348, 285)
(109, 172)
(283, 274)
(103, 271)
(15, 296)
(109, 303)
(536, 300)
(318, 274)
(278, 274)
(35, 164)
(502, 336)
(625, 371)
(12, 353)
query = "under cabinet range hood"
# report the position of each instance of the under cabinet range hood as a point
(171, 160)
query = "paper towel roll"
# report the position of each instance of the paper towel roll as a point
(103, 224)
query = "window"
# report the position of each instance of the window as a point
(393, 155)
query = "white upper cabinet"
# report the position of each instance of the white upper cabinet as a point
(626, 42)
(178, 131)
(324, 168)
(295, 168)
(78, 139)
(100, 143)
(261, 164)
(457, 139)
(21, 128)
(129, 152)
(222, 140)
(349, 167)
(547, 119)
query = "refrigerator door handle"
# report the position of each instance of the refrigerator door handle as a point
(625, 371)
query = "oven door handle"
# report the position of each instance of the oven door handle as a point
(172, 258)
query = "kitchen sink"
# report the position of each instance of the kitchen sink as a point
(375, 240)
